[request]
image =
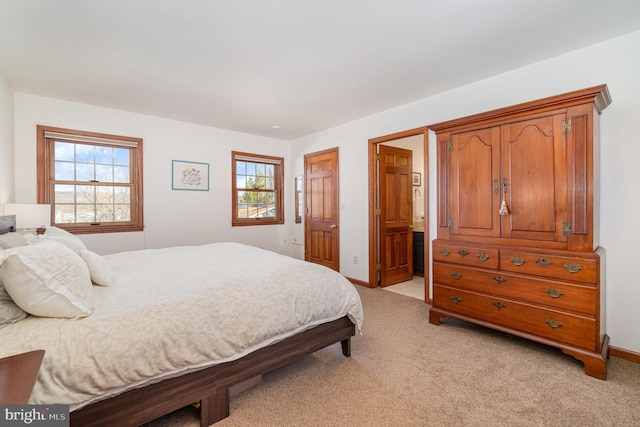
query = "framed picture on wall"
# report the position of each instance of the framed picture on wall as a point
(417, 179)
(189, 175)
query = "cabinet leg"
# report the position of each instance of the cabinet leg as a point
(596, 368)
(434, 317)
(595, 365)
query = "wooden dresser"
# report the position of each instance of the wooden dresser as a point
(517, 247)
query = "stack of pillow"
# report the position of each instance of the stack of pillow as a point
(50, 276)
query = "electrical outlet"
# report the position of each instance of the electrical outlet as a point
(355, 259)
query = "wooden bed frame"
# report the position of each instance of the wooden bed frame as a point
(210, 385)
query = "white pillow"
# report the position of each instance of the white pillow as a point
(99, 268)
(12, 240)
(47, 279)
(9, 311)
(63, 236)
(52, 230)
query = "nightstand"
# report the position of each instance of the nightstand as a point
(18, 375)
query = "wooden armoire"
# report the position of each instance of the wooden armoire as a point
(517, 248)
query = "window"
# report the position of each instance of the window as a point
(257, 189)
(92, 181)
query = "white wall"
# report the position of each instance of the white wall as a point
(616, 63)
(172, 217)
(6, 142)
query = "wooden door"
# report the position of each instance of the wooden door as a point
(534, 170)
(475, 183)
(321, 209)
(396, 215)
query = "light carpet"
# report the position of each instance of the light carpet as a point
(406, 372)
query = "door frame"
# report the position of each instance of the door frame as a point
(374, 246)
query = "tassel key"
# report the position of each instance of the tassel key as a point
(503, 208)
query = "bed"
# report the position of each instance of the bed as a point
(159, 329)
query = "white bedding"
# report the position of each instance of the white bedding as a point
(174, 310)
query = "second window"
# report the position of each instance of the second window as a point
(257, 189)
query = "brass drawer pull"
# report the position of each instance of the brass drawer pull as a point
(444, 252)
(554, 293)
(456, 275)
(543, 262)
(482, 257)
(517, 261)
(463, 253)
(572, 268)
(498, 305)
(455, 299)
(553, 323)
(499, 279)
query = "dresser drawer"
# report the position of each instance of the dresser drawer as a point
(465, 254)
(563, 327)
(557, 267)
(552, 293)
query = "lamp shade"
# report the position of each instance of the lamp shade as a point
(29, 215)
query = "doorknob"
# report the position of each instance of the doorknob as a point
(334, 226)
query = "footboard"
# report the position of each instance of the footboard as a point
(211, 385)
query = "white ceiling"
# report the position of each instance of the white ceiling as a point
(307, 65)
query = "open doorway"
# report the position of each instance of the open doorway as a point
(386, 250)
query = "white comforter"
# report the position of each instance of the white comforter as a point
(174, 310)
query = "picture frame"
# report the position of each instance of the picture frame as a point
(187, 175)
(417, 179)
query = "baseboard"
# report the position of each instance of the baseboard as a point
(624, 354)
(360, 282)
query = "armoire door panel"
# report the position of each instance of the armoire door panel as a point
(444, 185)
(583, 182)
(534, 179)
(579, 172)
(475, 160)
